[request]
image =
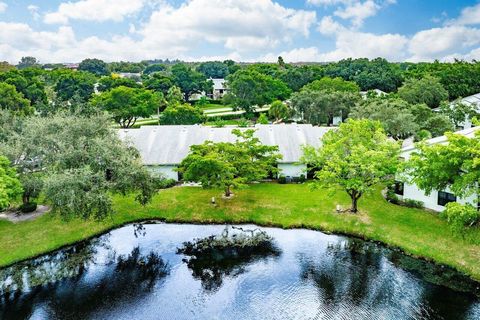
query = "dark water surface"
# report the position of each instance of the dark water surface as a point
(135, 272)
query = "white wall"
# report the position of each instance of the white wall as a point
(167, 171)
(292, 169)
(337, 120)
(430, 201)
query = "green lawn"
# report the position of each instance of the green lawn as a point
(418, 232)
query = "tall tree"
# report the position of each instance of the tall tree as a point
(213, 69)
(394, 114)
(279, 111)
(70, 84)
(368, 74)
(454, 165)
(228, 165)
(10, 187)
(28, 82)
(127, 104)
(152, 68)
(96, 66)
(27, 62)
(189, 80)
(108, 82)
(427, 90)
(176, 114)
(158, 82)
(296, 77)
(82, 161)
(356, 157)
(12, 100)
(5, 66)
(320, 107)
(335, 84)
(251, 88)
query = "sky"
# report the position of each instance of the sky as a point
(241, 30)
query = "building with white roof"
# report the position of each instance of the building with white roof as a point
(473, 100)
(162, 148)
(219, 88)
(437, 199)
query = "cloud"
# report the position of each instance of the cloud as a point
(355, 11)
(94, 10)
(469, 16)
(358, 12)
(255, 30)
(238, 25)
(33, 9)
(437, 43)
(354, 44)
(242, 27)
(3, 6)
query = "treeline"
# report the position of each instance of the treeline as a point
(403, 98)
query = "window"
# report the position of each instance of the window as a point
(445, 197)
(398, 188)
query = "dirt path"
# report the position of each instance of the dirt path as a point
(15, 216)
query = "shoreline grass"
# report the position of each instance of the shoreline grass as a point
(417, 232)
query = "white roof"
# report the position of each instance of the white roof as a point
(169, 145)
(377, 91)
(473, 99)
(469, 133)
(219, 84)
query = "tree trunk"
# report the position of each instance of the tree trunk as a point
(25, 198)
(227, 191)
(354, 196)
(354, 207)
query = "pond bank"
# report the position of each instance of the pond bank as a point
(416, 232)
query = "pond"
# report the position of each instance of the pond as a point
(137, 272)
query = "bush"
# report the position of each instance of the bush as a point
(392, 197)
(243, 123)
(413, 203)
(262, 119)
(282, 179)
(302, 178)
(167, 183)
(28, 207)
(460, 217)
(219, 123)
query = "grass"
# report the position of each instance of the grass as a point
(418, 232)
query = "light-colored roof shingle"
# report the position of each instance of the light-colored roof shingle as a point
(169, 145)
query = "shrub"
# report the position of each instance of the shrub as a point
(219, 123)
(282, 179)
(413, 203)
(166, 183)
(302, 178)
(392, 197)
(460, 217)
(28, 207)
(243, 123)
(262, 119)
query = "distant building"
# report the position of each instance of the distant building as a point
(162, 148)
(219, 88)
(473, 100)
(130, 75)
(71, 66)
(437, 199)
(377, 92)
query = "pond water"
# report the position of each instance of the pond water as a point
(135, 272)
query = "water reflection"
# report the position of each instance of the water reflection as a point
(138, 272)
(213, 258)
(357, 275)
(63, 285)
